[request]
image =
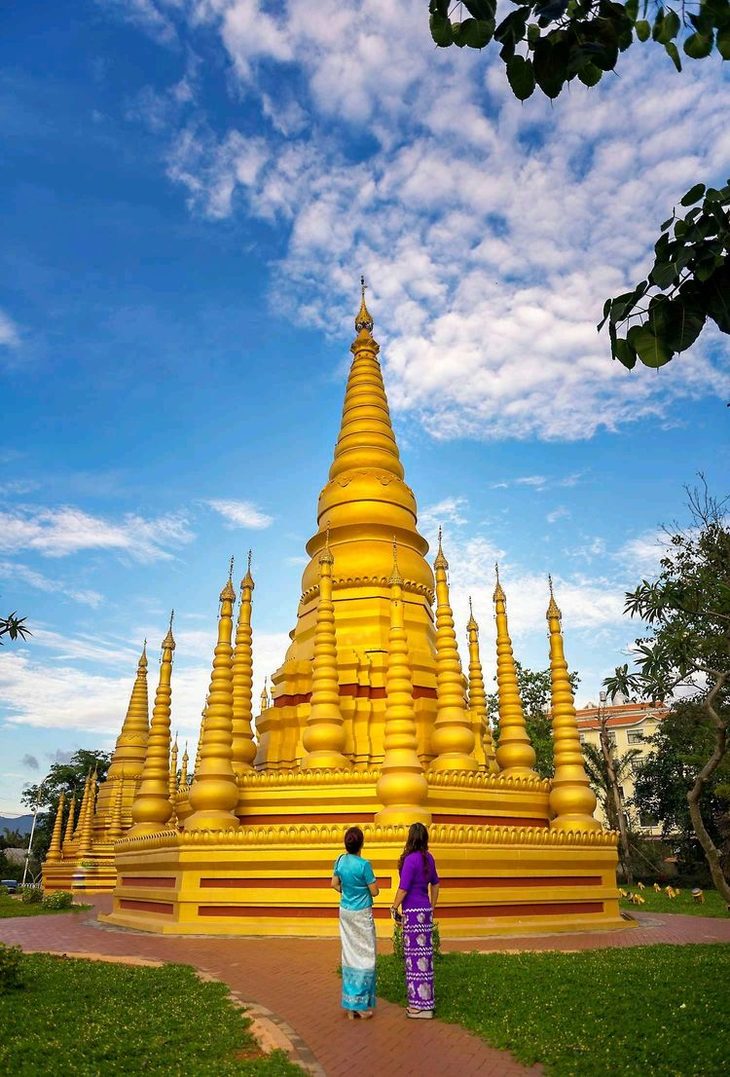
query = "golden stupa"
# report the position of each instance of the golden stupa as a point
(371, 720)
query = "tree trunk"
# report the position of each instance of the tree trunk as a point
(712, 853)
(614, 791)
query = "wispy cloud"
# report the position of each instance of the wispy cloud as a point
(58, 532)
(559, 513)
(473, 215)
(9, 331)
(241, 514)
(15, 570)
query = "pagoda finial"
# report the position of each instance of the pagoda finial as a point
(324, 735)
(452, 739)
(402, 787)
(499, 594)
(151, 808)
(326, 556)
(264, 696)
(54, 849)
(364, 320)
(129, 751)
(243, 747)
(552, 610)
(483, 742)
(184, 777)
(571, 798)
(395, 576)
(214, 792)
(515, 754)
(69, 835)
(115, 818)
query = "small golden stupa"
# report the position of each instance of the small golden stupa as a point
(371, 720)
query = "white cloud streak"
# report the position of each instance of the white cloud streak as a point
(27, 575)
(58, 532)
(242, 514)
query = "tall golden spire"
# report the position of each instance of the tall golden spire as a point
(54, 849)
(69, 835)
(452, 740)
(203, 713)
(244, 749)
(571, 798)
(173, 771)
(184, 776)
(151, 808)
(515, 754)
(214, 792)
(129, 752)
(115, 818)
(264, 701)
(324, 736)
(83, 809)
(402, 787)
(484, 745)
(86, 827)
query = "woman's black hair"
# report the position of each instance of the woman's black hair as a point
(354, 839)
(416, 842)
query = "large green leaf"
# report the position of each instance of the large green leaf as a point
(589, 74)
(521, 77)
(723, 42)
(625, 353)
(643, 30)
(678, 323)
(693, 195)
(652, 351)
(441, 31)
(476, 33)
(697, 46)
(673, 53)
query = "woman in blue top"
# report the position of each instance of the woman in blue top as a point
(354, 879)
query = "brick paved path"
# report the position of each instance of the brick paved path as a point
(296, 979)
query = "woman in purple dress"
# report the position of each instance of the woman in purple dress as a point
(417, 875)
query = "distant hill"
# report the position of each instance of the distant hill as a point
(22, 823)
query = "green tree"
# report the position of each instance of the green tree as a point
(687, 648)
(544, 45)
(607, 771)
(68, 778)
(14, 627)
(534, 688)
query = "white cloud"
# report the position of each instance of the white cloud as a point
(490, 231)
(9, 332)
(451, 510)
(641, 555)
(558, 513)
(241, 514)
(58, 532)
(15, 570)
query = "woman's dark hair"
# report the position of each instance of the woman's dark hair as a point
(354, 838)
(416, 842)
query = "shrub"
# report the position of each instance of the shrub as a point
(4, 891)
(31, 895)
(59, 899)
(10, 968)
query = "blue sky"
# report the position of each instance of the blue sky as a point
(190, 190)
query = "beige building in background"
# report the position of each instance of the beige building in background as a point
(630, 726)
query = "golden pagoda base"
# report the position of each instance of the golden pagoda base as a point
(92, 874)
(274, 880)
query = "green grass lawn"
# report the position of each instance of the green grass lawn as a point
(10, 906)
(713, 906)
(89, 1018)
(659, 1010)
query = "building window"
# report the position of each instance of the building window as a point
(612, 740)
(582, 738)
(636, 738)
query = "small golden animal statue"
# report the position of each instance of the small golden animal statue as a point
(622, 893)
(698, 896)
(641, 886)
(657, 888)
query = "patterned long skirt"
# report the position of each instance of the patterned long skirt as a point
(418, 955)
(357, 934)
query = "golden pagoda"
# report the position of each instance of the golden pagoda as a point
(371, 720)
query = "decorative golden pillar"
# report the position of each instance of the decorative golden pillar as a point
(173, 770)
(515, 754)
(54, 849)
(151, 808)
(484, 745)
(214, 792)
(402, 787)
(324, 736)
(184, 776)
(244, 749)
(69, 835)
(571, 797)
(131, 746)
(200, 738)
(83, 809)
(86, 827)
(264, 701)
(115, 819)
(452, 740)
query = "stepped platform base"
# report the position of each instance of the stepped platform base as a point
(275, 880)
(91, 878)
